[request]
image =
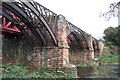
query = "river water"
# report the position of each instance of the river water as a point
(102, 71)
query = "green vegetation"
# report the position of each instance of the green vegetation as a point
(112, 45)
(20, 71)
(108, 57)
(111, 36)
(111, 49)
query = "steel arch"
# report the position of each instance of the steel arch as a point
(37, 13)
(6, 15)
(23, 16)
(46, 18)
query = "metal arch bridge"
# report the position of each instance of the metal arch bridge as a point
(38, 25)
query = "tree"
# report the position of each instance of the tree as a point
(113, 12)
(119, 39)
(111, 35)
(112, 39)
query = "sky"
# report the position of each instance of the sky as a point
(84, 14)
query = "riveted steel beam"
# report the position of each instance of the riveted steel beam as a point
(6, 15)
(25, 18)
(37, 13)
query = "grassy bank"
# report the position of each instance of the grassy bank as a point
(109, 59)
(109, 56)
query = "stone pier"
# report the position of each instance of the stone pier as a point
(100, 46)
(62, 39)
(85, 56)
(63, 48)
(90, 45)
(37, 57)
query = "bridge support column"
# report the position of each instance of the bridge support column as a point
(92, 54)
(85, 56)
(101, 46)
(63, 48)
(90, 45)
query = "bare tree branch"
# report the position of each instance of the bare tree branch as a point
(113, 11)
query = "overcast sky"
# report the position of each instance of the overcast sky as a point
(84, 14)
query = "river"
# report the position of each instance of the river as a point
(102, 71)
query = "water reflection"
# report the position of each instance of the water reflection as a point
(103, 71)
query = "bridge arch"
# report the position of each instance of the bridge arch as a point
(24, 15)
(39, 25)
(25, 18)
(20, 27)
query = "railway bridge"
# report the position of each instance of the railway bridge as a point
(33, 34)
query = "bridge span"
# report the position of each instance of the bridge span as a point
(33, 33)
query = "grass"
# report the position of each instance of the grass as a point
(108, 57)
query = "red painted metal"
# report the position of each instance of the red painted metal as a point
(7, 26)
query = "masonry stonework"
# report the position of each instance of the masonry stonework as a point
(85, 56)
(101, 46)
(90, 45)
(62, 39)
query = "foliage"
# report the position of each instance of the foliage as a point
(39, 75)
(20, 71)
(14, 71)
(107, 57)
(111, 36)
(119, 39)
(113, 11)
(112, 39)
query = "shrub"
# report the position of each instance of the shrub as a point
(20, 71)
(14, 71)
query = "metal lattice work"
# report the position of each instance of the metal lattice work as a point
(19, 26)
(38, 24)
(25, 18)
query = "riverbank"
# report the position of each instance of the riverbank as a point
(102, 71)
(108, 67)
